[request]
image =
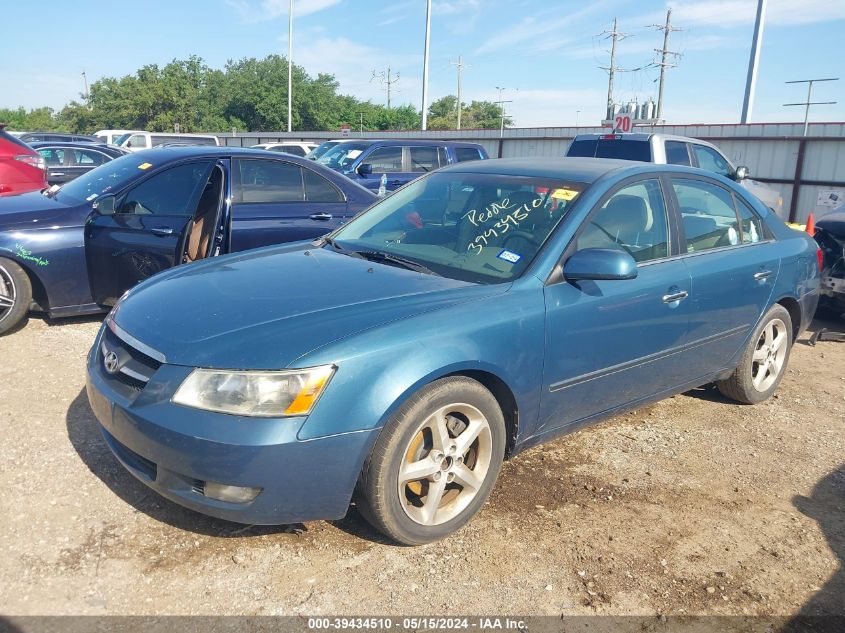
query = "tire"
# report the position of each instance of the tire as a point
(15, 294)
(764, 360)
(452, 477)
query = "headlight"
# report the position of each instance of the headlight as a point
(267, 394)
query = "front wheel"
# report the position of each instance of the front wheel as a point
(764, 361)
(15, 294)
(435, 462)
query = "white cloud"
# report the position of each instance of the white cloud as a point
(271, 9)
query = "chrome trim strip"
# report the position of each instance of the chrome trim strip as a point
(134, 374)
(120, 333)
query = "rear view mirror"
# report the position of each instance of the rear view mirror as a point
(104, 205)
(600, 263)
(365, 169)
(741, 173)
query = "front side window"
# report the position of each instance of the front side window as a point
(318, 189)
(482, 228)
(342, 155)
(385, 159)
(632, 220)
(269, 181)
(708, 214)
(174, 191)
(136, 141)
(711, 160)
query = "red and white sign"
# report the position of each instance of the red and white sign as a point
(344, 129)
(622, 122)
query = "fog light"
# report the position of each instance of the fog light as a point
(232, 494)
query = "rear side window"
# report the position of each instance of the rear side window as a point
(269, 181)
(53, 155)
(318, 189)
(296, 150)
(750, 224)
(708, 215)
(677, 153)
(88, 157)
(467, 153)
(424, 159)
(614, 147)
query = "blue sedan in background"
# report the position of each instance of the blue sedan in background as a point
(76, 249)
(481, 310)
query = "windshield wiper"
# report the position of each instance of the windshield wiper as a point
(337, 247)
(389, 258)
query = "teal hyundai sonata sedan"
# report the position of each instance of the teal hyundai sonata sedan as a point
(478, 311)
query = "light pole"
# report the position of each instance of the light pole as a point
(753, 62)
(290, 65)
(425, 66)
(502, 103)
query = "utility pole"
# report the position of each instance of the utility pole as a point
(387, 79)
(664, 57)
(614, 36)
(290, 64)
(87, 94)
(809, 102)
(361, 114)
(502, 103)
(460, 65)
(753, 62)
(425, 66)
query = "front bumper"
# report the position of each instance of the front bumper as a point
(174, 450)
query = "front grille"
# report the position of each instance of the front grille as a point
(124, 363)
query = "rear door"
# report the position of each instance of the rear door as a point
(145, 233)
(276, 201)
(733, 264)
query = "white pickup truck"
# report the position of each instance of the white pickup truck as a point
(672, 150)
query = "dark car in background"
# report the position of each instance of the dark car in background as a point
(66, 161)
(77, 249)
(22, 169)
(37, 137)
(400, 160)
(830, 234)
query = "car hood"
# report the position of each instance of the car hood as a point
(264, 309)
(34, 210)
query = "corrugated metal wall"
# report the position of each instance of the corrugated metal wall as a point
(772, 151)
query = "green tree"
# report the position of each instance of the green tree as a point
(443, 114)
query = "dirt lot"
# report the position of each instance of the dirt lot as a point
(692, 506)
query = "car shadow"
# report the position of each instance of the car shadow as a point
(825, 610)
(83, 431)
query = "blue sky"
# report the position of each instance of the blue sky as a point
(545, 52)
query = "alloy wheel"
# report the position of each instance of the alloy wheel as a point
(769, 355)
(445, 464)
(8, 292)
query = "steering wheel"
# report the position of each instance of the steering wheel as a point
(615, 239)
(528, 236)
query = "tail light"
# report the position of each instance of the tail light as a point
(820, 258)
(33, 160)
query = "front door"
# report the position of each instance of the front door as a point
(388, 162)
(145, 233)
(276, 201)
(610, 343)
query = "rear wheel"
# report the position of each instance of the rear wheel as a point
(435, 462)
(15, 294)
(764, 361)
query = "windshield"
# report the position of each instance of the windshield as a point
(484, 228)
(106, 178)
(321, 149)
(342, 155)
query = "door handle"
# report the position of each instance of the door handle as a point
(763, 274)
(675, 296)
(320, 216)
(162, 230)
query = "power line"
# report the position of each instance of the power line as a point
(664, 63)
(808, 102)
(460, 66)
(388, 80)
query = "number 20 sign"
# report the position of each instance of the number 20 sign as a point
(623, 123)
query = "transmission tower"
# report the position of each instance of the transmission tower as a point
(664, 62)
(388, 80)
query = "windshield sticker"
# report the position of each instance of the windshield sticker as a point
(354, 153)
(28, 256)
(497, 219)
(509, 256)
(564, 194)
(145, 165)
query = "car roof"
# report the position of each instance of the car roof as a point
(640, 136)
(577, 169)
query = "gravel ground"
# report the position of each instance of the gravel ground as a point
(692, 506)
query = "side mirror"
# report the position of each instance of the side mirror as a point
(104, 205)
(741, 173)
(365, 169)
(600, 263)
